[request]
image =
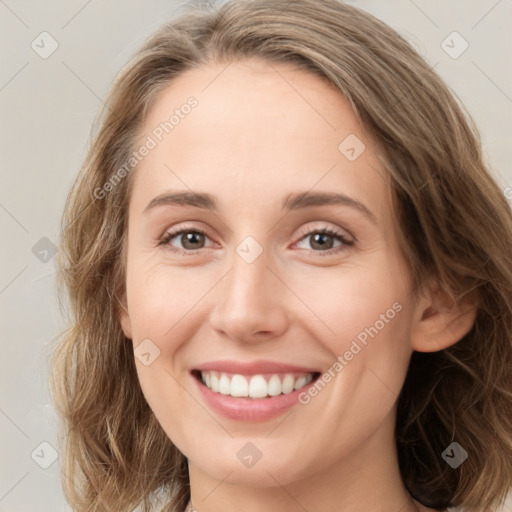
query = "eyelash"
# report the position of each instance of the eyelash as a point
(164, 241)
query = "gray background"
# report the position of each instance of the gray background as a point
(47, 110)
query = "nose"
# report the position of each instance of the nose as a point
(251, 302)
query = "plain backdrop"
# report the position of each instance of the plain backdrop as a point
(48, 104)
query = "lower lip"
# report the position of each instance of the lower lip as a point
(249, 409)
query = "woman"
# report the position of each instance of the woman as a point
(289, 274)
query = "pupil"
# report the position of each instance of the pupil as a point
(320, 236)
(189, 237)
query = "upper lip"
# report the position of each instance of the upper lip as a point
(252, 368)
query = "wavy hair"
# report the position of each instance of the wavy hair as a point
(454, 225)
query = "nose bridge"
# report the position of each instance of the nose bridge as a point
(249, 279)
(250, 301)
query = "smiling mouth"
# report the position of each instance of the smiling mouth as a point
(259, 386)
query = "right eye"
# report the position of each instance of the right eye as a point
(187, 236)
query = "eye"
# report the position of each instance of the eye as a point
(192, 240)
(323, 239)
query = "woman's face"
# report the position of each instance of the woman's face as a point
(265, 159)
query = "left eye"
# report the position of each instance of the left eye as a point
(324, 240)
(321, 239)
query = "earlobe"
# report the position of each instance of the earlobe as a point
(126, 325)
(440, 322)
(124, 319)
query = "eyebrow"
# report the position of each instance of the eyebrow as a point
(293, 201)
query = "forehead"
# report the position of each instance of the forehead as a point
(257, 132)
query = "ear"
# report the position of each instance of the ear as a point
(438, 321)
(124, 318)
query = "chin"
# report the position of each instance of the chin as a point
(268, 471)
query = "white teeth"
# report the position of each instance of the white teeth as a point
(239, 386)
(224, 385)
(256, 386)
(300, 382)
(214, 383)
(274, 386)
(287, 385)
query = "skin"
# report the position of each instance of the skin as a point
(260, 132)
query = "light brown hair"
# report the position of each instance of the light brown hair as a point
(454, 222)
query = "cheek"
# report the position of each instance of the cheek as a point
(167, 399)
(355, 301)
(157, 298)
(363, 318)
